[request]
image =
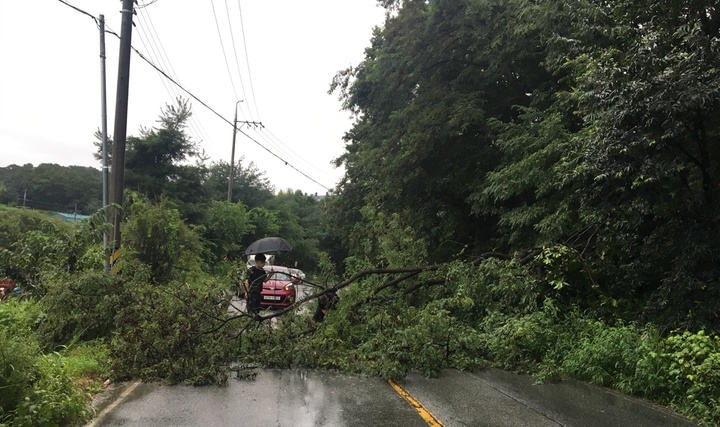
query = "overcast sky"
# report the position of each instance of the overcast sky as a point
(50, 78)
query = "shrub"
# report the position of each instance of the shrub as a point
(80, 306)
(17, 369)
(20, 317)
(54, 398)
(692, 374)
(30, 243)
(602, 354)
(167, 332)
(156, 236)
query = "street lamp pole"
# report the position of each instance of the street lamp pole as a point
(232, 156)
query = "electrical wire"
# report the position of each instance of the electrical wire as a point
(272, 136)
(237, 61)
(79, 10)
(193, 122)
(286, 151)
(247, 60)
(222, 45)
(270, 139)
(154, 55)
(144, 5)
(170, 89)
(192, 95)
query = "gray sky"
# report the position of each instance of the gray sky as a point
(50, 78)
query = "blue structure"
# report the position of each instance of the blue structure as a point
(69, 217)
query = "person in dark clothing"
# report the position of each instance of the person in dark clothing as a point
(254, 279)
(325, 303)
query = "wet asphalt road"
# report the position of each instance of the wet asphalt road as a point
(311, 398)
(274, 398)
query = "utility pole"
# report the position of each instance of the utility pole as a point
(105, 170)
(120, 134)
(232, 155)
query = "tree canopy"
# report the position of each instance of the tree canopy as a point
(507, 126)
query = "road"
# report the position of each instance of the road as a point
(310, 398)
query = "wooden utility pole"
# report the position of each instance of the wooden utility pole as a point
(117, 172)
(103, 109)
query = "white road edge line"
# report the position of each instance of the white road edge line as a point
(104, 413)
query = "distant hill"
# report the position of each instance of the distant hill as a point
(67, 189)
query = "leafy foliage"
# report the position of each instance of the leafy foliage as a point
(38, 389)
(164, 333)
(80, 307)
(225, 226)
(156, 236)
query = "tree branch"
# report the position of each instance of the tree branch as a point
(431, 282)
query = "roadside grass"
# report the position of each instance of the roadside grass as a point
(45, 388)
(88, 364)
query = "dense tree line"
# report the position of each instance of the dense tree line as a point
(492, 126)
(52, 187)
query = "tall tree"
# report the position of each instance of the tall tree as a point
(250, 185)
(154, 159)
(431, 82)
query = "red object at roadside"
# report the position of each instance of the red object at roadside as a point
(8, 285)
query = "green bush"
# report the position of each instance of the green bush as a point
(156, 236)
(17, 369)
(691, 374)
(80, 306)
(519, 342)
(31, 243)
(21, 317)
(601, 354)
(54, 398)
(173, 333)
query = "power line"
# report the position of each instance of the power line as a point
(192, 95)
(226, 120)
(198, 122)
(279, 141)
(144, 5)
(217, 25)
(161, 54)
(247, 61)
(79, 10)
(237, 61)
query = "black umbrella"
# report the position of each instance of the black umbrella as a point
(268, 244)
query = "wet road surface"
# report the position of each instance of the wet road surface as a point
(497, 398)
(274, 398)
(312, 398)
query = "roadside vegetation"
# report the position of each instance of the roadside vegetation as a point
(528, 185)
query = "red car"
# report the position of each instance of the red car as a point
(281, 289)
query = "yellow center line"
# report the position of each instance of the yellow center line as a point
(424, 413)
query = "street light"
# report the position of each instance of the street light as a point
(232, 156)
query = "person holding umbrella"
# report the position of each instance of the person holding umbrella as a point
(256, 274)
(254, 278)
